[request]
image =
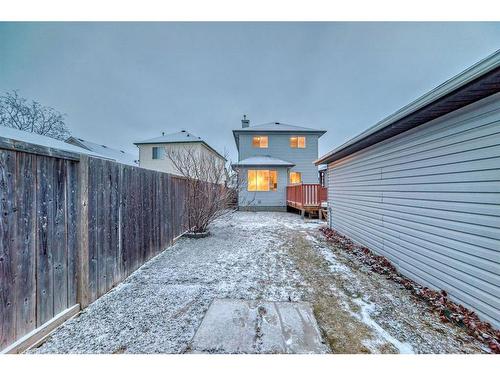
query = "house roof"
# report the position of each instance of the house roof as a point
(118, 155)
(263, 161)
(275, 127)
(475, 83)
(278, 127)
(17, 135)
(179, 137)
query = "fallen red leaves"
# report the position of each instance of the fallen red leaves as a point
(438, 301)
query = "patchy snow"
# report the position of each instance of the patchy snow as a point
(256, 256)
(383, 335)
(334, 264)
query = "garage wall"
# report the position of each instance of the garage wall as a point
(429, 200)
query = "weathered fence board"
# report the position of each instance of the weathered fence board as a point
(72, 232)
(93, 232)
(45, 238)
(60, 247)
(26, 216)
(73, 228)
(7, 248)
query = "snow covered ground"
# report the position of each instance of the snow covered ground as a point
(268, 256)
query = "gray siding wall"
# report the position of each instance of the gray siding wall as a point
(264, 198)
(429, 200)
(279, 147)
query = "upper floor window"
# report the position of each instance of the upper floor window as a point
(260, 141)
(297, 142)
(158, 152)
(295, 177)
(262, 180)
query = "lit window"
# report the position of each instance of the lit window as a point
(158, 152)
(298, 142)
(260, 141)
(262, 180)
(295, 177)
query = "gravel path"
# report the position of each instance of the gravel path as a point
(269, 256)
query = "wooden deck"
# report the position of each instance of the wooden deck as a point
(307, 198)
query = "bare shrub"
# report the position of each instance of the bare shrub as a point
(212, 186)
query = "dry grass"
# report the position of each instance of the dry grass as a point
(335, 297)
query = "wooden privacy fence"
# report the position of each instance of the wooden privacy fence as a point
(71, 228)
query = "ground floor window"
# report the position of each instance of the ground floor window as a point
(262, 180)
(295, 177)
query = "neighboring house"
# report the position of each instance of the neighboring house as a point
(152, 152)
(422, 187)
(117, 155)
(270, 157)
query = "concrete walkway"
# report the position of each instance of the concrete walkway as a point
(272, 257)
(241, 326)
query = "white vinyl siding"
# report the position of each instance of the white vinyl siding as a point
(429, 200)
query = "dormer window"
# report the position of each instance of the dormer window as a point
(297, 142)
(260, 141)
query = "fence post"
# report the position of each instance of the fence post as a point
(83, 232)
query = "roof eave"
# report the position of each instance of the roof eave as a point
(236, 140)
(169, 142)
(263, 165)
(477, 82)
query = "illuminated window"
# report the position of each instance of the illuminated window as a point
(295, 177)
(262, 180)
(297, 142)
(260, 141)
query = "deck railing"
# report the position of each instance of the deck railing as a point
(305, 195)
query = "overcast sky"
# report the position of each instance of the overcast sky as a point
(123, 82)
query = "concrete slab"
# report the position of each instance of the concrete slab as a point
(243, 326)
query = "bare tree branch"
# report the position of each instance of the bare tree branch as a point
(17, 113)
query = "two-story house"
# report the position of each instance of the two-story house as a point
(153, 152)
(270, 157)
